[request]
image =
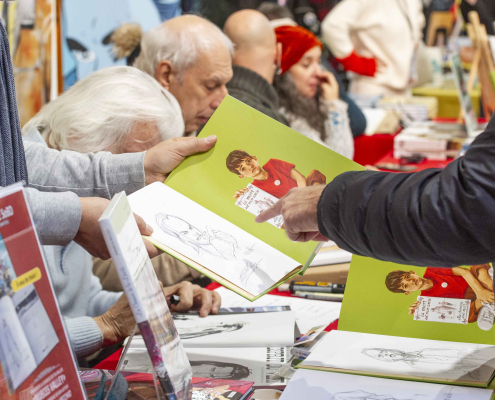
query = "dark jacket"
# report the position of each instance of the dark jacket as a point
(255, 91)
(435, 217)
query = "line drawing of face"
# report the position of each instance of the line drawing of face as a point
(219, 370)
(211, 329)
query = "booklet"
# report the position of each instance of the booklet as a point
(465, 364)
(257, 364)
(317, 385)
(247, 330)
(204, 213)
(146, 298)
(36, 360)
(438, 303)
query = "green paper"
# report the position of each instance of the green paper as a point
(369, 307)
(205, 178)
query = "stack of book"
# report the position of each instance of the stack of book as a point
(416, 108)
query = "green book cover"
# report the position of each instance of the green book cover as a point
(258, 160)
(419, 302)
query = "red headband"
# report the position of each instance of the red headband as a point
(296, 41)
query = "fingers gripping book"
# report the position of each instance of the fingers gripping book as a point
(204, 213)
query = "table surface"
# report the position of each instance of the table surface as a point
(110, 363)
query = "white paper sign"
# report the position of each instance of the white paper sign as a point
(256, 200)
(439, 309)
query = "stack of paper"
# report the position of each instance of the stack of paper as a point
(331, 254)
(416, 108)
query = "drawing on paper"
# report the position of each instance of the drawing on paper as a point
(248, 270)
(219, 370)
(431, 359)
(362, 395)
(212, 242)
(209, 329)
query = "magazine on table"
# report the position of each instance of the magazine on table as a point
(318, 385)
(204, 213)
(36, 360)
(146, 298)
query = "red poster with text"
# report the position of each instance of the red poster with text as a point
(36, 362)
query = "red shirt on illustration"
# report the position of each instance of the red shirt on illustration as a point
(279, 181)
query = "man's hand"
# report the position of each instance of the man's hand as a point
(329, 86)
(298, 207)
(89, 235)
(485, 296)
(194, 297)
(413, 307)
(117, 323)
(240, 192)
(161, 159)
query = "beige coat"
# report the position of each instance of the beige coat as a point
(386, 30)
(168, 270)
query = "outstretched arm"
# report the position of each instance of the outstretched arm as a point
(298, 177)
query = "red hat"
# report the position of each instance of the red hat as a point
(296, 41)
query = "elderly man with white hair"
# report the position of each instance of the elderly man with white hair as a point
(190, 57)
(118, 110)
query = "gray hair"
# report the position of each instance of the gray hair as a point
(98, 112)
(181, 47)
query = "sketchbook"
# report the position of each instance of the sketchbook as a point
(317, 385)
(204, 213)
(466, 364)
(146, 298)
(246, 330)
(438, 303)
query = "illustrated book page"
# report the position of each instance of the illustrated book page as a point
(437, 304)
(36, 360)
(209, 243)
(405, 358)
(319, 385)
(246, 330)
(145, 296)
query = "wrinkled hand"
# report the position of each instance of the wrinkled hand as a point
(117, 323)
(329, 86)
(240, 192)
(193, 297)
(161, 159)
(298, 207)
(89, 235)
(485, 296)
(413, 307)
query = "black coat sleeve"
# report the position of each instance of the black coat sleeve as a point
(435, 217)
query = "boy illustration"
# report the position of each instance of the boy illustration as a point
(474, 284)
(276, 177)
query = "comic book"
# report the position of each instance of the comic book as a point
(419, 302)
(36, 361)
(204, 213)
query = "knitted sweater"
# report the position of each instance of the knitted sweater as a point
(338, 132)
(255, 91)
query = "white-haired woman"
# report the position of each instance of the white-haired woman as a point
(116, 109)
(121, 110)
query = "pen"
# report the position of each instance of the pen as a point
(320, 296)
(308, 286)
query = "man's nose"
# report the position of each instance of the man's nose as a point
(222, 92)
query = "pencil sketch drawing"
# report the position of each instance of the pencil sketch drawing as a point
(213, 242)
(431, 359)
(209, 329)
(248, 270)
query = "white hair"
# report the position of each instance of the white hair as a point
(98, 112)
(181, 47)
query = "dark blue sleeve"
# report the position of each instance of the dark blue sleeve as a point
(439, 218)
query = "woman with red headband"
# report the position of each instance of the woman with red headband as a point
(309, 95)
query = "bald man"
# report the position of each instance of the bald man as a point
(255, 62)
(192, 59)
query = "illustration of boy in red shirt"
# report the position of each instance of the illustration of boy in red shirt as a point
(474, 284)
(276, 177)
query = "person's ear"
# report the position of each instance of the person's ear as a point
(412, 272)
(241, 176)
(407, 293)
(163, 73)
(255, 158)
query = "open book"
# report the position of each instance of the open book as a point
(203, 214)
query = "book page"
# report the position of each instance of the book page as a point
(320, 385)
(256, 201)
(309, 313)
(210, 240)
(450, 311)
(392, 356)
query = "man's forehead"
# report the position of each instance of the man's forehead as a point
(214, 64)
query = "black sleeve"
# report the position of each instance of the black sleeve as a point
(435, 217)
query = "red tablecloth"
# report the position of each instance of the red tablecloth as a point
(110, 363)
(369, 149)
(425, 164)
